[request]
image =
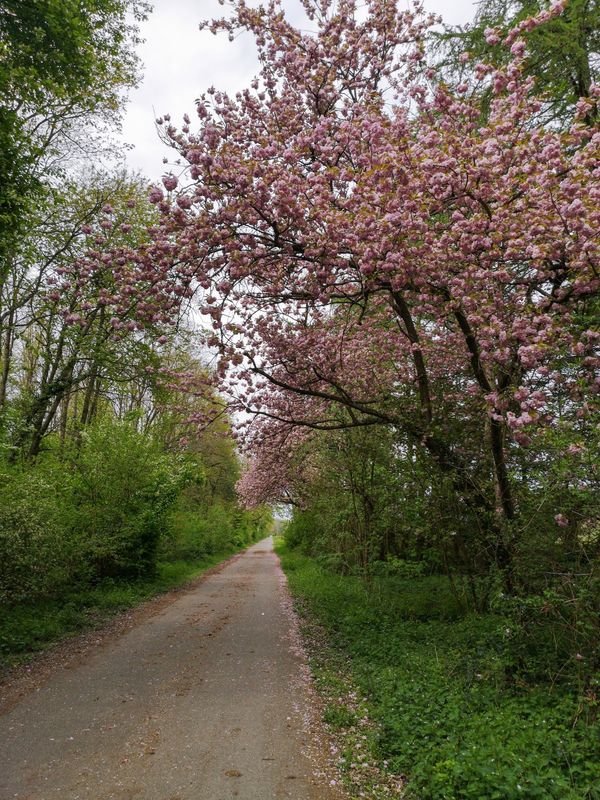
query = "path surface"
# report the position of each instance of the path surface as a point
(205, 700)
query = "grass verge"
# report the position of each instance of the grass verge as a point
(28, 628)
(434, 682)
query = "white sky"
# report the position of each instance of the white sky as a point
(180, 62)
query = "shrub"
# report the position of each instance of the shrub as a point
(554, 636)
(124, 488)
(36, 546)
(397, 567)
(201, 530)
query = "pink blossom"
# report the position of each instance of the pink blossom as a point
(184, 201)
(155, 195)
(170, 182)
(492, 36)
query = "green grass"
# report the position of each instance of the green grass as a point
(434, 678)
(29, 628)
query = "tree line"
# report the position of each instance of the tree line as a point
(104, 467)
(393, 232)
(392, 238)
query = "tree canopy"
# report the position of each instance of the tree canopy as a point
(372, 250)
(60, 64)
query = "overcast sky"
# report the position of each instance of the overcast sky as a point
(180, 62)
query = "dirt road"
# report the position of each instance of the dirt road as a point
(205, 700)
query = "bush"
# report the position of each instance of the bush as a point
(554, 636)
(397, 567)
(124, 488)
(303, 529)
(202, 530)
(37, 549)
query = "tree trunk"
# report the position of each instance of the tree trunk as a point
(86, 411)
(6, 357)
(64, 420)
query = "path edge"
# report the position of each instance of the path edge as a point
(30, 676)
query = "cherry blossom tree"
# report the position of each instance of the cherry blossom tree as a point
(371, 249)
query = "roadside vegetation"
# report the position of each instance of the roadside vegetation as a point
(111, 487)
(449, 713)
(106, 521)
(87, 532)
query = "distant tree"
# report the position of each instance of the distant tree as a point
(55, 334)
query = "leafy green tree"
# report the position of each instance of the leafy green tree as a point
(56, 336)
(62, 63)
(563, 52)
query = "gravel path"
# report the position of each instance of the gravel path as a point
(207, 699)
